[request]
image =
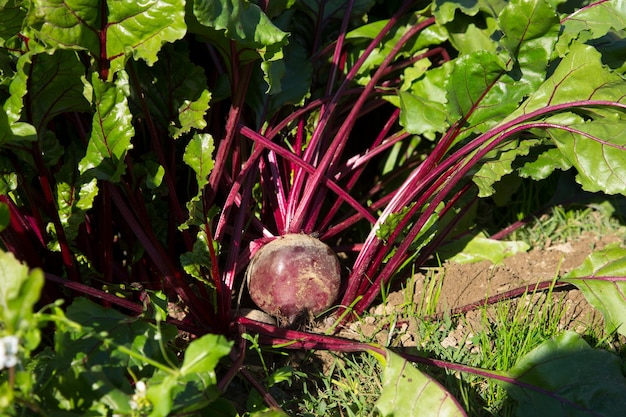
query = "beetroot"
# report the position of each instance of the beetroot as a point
(292, 276)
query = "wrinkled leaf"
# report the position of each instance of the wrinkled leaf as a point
(594, 147)
(602, 280)
(199, 156)
(128, 28)
(75, 195)
(498, 163)
(191, 114)
(530, 30)
(593, 21)
(565, 377)
(408, 392)
(198, 261)
(245, 23)
(111, 132)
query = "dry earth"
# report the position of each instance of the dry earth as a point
(464, 284)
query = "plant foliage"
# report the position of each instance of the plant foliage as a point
(150, 148)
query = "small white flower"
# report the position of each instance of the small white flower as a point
(139, 401)
(8, 351)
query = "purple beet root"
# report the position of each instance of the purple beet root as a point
(292, 276)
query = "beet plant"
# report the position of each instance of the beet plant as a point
(182, 161)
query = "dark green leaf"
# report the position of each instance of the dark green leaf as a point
(11, 17)
(5, 216)
(55, 86)
(565, 377)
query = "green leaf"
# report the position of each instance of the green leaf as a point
(203, 354)
(191, 114)
(255, 34)
(111, 130)
(546, 160)
(199, 156)
(12, 128)
(420, 116)
(5, 216)
(111, 338)
(498, 163)
(11, 17)
(598, 151)
(295, 84)
(601, 280)
(173, 89)
(565, 377)
(530, 30)
(593, 145)
(19, 292)
(579, 78)
(408, 392)
(472, 76)
(445, 10)
(594, 21)
(75, 194)
(124, 28)
(55, 86)
(161, 396)
(480, 248)
(198, 262)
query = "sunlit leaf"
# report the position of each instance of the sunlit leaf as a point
(203, 354)
(596, 147)
(420, 116)
(592, 22)
(480, 248)
(602, 280)
(409, 392)
(244, 22)
(530, 30)
(111, 132)
(199, 156)
(111, 32)
(19, 291)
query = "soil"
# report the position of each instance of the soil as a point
(464, 284)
